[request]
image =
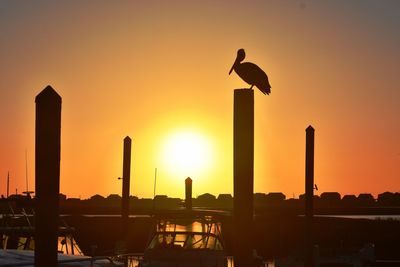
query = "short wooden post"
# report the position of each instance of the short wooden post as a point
(243, 172)
(309, 197)
(188, 193)
(47, 176)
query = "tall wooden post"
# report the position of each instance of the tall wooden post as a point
(47, 176)
(188, 193)
(309, 205)
(126, 177)
(243, 165)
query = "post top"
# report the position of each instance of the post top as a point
(48, 93)
(188, 179)
(310, 128)
(127, 138)
(243, 91)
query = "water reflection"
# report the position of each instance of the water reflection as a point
(186, 234)
(186, 241)
(134, 262)
(207, 225)
(368, 217)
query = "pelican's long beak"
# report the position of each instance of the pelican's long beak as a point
(231, 69)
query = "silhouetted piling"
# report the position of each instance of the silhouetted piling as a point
(309, 205)
(188, 193)
(47, 176)
(243, 164)
(126, 177)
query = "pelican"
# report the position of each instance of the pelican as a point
(251, 73)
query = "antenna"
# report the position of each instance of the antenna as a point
(27, 192)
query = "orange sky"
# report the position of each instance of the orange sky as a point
(160, 68)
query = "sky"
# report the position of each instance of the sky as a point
(157, 71)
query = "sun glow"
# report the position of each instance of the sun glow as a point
(187, 153)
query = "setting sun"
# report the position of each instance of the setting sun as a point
(187, 153)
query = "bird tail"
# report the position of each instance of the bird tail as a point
(266, 90)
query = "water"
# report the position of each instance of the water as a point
(368, 217)
(109, 215)
(134, 262)
(266, 263)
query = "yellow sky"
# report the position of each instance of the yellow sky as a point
(155, 69)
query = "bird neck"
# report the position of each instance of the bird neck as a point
(237, 62)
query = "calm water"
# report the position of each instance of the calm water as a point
(368, 217)
(135, 262)
(109, 215)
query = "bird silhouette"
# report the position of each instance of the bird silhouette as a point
(251, 73)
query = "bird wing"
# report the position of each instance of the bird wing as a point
(254, 75)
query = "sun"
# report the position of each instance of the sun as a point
(187, 153)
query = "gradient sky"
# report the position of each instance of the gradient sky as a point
(156, 69)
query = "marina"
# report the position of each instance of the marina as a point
(199, 134)
(157, 231)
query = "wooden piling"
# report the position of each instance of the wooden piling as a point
(243, 172)
(47, 176)
(309, 197)
(188, 193)
(126, 177)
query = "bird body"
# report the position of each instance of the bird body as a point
(251, 73)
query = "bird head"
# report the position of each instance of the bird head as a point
(240, 55)
(239, 58)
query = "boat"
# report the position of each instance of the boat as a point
(21, 238)
(17, 242)
(185, 238)
(16, 257)
(17, 230)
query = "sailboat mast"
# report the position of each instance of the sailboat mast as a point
(8, 183)
(26, 171)
(154, 192)
(155, 182)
